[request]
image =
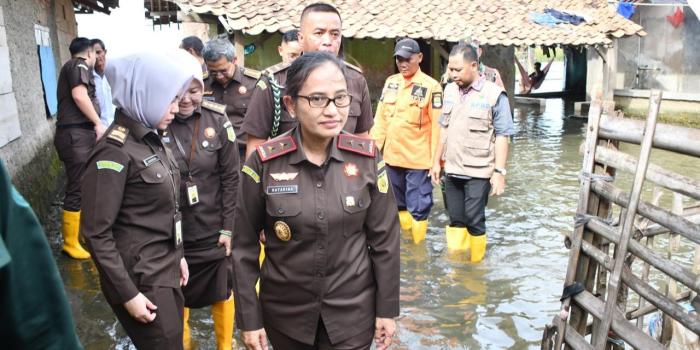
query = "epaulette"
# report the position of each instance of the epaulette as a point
(251, 73)
(118, 135)
(353, 66)
(276, 147)
(276, 68)
(356, 144)
(213, 106)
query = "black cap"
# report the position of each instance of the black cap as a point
(406, 48)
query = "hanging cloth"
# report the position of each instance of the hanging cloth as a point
(676, 19)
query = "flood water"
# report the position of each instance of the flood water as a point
(447, 302)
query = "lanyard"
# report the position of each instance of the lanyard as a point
(188, 157)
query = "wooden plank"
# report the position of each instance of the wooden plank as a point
(576, 341)
(681, 274)
(656, 174)
(623, 328)
(676, 223)
(599, 338)
(668, 306)
(239, 44)
(583, 197)
(668, 137)
(650, 245)
(649, 308)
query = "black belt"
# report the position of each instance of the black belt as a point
(88, 125)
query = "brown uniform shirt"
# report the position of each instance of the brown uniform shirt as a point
(235, 95)
(129, 204)
(259, 119)
(74, 73)
(340, 260)
(213, 167)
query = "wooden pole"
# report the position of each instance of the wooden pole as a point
(629, 333)
(671, 286)
(239, 44)
(669, 137)
(650, 244)
(676, 223)
(600, 338)
(584, 193)
(665, 178)
(681, 274)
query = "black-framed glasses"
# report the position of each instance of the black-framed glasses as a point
(320, 101)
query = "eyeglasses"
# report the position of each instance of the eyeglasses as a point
(223, 72)
(320, 101)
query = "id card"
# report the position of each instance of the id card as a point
(178, 229)
(192, 193)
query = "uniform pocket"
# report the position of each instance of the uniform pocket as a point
(284, 208)
(355, 205)
(153, 174)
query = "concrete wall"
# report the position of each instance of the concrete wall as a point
(670, 54)
(31, 158)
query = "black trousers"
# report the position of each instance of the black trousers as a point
(466, 203)
(361, 341)
(165, 332)
(74, 145)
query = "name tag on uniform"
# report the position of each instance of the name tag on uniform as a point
(192, 193)
(150, 160)
(282, 189)
(178, 229)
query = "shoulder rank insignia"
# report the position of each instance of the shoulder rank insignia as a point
(251, 73)
(353, 67)
(213, 106)
(356, 144)
(276, 147)
(118, 135)
(275, 68)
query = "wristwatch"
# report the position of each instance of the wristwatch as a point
(501, 171)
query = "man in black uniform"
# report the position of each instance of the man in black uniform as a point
(267, 117)
(229, 84)
(78, 126)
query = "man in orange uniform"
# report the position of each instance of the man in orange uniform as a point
(407, 131)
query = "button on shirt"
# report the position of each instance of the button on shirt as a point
(104, 95)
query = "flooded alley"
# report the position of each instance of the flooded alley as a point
(447, 302)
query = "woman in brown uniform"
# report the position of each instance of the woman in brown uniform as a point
(131, 218)
(204, 144)
(330, 279)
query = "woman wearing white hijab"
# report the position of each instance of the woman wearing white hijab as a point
(132, 221)
(204, 144)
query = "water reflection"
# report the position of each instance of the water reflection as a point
(447, 302)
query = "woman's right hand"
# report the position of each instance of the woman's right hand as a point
(435, 174)
(255, 340)
(139, 307)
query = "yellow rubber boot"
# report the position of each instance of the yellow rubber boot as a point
(186, 335)
(405, 220)
(222, 313)
(457, 238)
(478, 247)
(418, 229)
(70, 231)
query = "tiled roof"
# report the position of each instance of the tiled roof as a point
(505, 22)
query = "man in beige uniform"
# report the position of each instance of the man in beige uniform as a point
(476, 123)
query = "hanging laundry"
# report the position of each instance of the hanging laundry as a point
(626, 9)
(676, 18)
(544, 19)
(565, 16)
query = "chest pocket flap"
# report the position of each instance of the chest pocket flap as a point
(283, 205)
(153, 174)
(355, 205)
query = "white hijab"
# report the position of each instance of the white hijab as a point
(189, 64)
(145, 84)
